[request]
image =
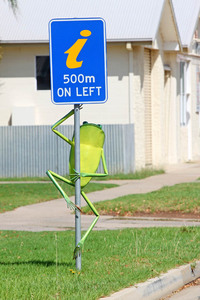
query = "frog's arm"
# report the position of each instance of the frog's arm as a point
(60, 122)
(52, 176)
(78, 175)
(104, 165)
(79, 246)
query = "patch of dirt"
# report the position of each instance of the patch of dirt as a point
(173, 214)
(193, 283)
(159, 214)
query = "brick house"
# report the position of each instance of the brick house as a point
(148, 59)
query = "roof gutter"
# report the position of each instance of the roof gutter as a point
(128, 40)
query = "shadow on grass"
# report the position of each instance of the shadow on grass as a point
(36, 262)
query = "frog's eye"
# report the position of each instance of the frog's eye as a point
(100, 126)
(85, 122)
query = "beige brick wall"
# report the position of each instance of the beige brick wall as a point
(195, 117)
(170, 111)
(138, 107)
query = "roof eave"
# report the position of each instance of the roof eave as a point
(145, 41)
(24, 41)
(175, 22)
(131, 40)
(176, 25)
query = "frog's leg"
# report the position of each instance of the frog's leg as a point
(79, 247)
(52, 176)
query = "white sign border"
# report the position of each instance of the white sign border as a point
(105, 60)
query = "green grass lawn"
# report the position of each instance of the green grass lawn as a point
(15, 195)
(40, 265)
(46, 178)
(143, 173)
(184, 198)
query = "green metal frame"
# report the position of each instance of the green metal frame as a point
(54, 177)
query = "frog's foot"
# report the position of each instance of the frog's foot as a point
(70, 204)
(78, 249)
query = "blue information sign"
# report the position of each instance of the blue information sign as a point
(78, 61)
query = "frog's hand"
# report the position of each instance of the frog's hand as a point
(79, 246)
(52, 176)
(75, 176)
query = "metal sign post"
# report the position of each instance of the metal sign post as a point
(78, 76)
(78, 182)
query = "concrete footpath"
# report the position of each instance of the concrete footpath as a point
(54, 216)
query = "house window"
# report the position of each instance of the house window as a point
(43, 73)
(184, 91)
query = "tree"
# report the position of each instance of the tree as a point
(13, 4)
